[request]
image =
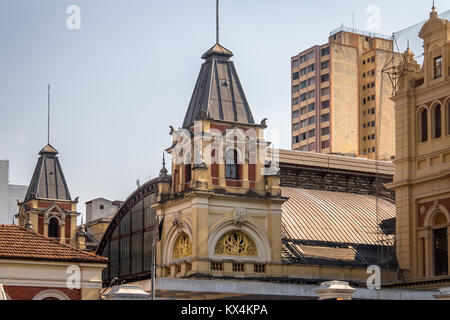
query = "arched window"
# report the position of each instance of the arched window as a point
(437, 121)
(53, 228)
(423, 125)
(182, 247)
(231, 165)
(236, 243)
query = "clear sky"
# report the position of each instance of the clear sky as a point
(129, 72)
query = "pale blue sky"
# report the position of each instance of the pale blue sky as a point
(120, 81)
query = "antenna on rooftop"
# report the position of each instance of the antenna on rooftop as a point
(217, 21)
(48, 116)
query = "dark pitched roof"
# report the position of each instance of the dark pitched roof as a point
(218, 93)
(48, 180)
(19, 243)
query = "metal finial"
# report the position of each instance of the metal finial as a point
(217, 21)
(48, 115)
(164, 160)
(433, 7)
(408, 43)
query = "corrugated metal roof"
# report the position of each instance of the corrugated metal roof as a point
(335, 162)
(333, 217)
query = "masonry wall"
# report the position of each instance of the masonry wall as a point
(344, 99)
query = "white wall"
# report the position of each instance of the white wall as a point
(9, 194)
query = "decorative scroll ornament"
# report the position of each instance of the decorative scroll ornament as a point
(182, 247)
(236, 243)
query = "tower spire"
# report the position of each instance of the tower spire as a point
(217, 21)
(433, 7)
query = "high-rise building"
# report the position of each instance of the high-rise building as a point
(337, 104)
(9, 194)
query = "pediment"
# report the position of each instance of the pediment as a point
(54, 208)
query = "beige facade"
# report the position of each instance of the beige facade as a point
(422, 178)
(340, 97)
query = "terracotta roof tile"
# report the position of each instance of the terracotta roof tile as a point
(18, 243)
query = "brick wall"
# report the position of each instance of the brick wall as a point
(28, 293)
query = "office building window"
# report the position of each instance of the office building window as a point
(311, 81)
(303, 110)
(303, 97)
(295, 114)
(312, 147)
(304, 123)
(325, 78)
(303, 136)
(325, 65)
(303, 71)
(325, 51)
(296, 126)
(295, 76)
(303, 84)
(311, 107)
(325, 104)
(325, 117)
(295, 101)
(295, 88)
(311, 68)
(295, 63)
(311, 94)
(325, 91)
(312, 133)
(325, 144)
(325, 131)
(311, 120)
(295, 139)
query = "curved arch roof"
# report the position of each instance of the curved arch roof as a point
(333, 217)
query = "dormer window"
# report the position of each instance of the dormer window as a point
(437, 62)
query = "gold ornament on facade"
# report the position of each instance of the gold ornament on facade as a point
(182, 247)
(236, 243)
